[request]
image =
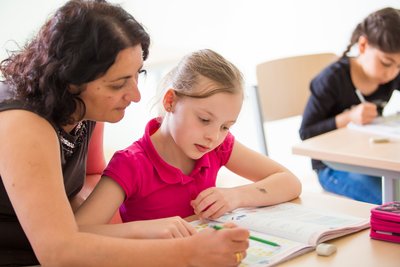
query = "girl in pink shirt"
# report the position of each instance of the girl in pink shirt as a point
(172, 169)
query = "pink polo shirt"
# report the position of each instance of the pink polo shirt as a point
(153, 188)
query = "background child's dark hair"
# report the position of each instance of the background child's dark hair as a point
(381, 28)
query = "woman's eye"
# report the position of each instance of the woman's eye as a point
(118, 85)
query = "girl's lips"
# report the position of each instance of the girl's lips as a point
(201, 148)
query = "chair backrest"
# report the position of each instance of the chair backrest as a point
(283, 84)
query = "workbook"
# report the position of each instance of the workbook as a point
(388, 126)
(288, 230)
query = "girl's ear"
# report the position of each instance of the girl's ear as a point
(362, 44)
(169, 100)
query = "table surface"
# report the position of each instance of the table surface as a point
(356, 249)
(353, 147)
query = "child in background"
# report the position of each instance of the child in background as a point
(355, 89)
(172, 169)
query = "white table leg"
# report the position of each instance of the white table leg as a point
(388, 186)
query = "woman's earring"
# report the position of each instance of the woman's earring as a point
(169, 109)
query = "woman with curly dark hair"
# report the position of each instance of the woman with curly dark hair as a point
(81, 67)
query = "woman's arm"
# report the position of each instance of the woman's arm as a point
(272, 184)
(31, 172)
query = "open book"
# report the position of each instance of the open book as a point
(295, 228)
(388, 126)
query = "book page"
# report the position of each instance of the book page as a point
(388, 126)
(260, 254)
(296, 222)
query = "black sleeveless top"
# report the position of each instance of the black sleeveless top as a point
(15, 249)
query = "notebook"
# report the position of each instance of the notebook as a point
(295, 228)
(388, 126)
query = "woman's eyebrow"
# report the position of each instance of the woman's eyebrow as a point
(120, 78)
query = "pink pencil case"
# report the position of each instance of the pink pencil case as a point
(385, 222)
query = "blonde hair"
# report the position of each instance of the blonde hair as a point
(206, 63)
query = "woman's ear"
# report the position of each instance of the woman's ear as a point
(169, 100)
(73, 89)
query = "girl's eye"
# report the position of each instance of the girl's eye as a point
(225, 128)
(386, 64)
(204, 120)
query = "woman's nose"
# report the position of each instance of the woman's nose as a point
(133, 94)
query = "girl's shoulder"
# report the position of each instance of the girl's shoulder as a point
(339, 68)
(336, 74)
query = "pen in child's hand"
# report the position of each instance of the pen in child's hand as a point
(217, 227)
(360, 96)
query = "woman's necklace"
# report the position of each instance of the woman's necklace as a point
(71, 141)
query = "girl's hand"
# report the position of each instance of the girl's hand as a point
(363, 113)
(173, 227)
(218, 247)
(214, 202)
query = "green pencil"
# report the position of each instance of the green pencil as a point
(217, 227)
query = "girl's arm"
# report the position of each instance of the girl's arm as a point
(31, 172)
(272, 184)
(106, 198)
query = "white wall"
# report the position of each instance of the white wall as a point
(246, 32)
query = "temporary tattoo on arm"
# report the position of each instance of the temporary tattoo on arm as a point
(262, 190)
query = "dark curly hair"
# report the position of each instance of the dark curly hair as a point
(75, 46)
(381, 28)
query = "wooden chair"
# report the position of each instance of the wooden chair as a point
(283, 84)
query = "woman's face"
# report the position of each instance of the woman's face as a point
(107, 97)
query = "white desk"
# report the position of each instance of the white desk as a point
(350, 150)
(356, 249)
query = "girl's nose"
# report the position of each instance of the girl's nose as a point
(213, 134)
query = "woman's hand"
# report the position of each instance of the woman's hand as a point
(173, 227)
(214, 202)
(226, 247)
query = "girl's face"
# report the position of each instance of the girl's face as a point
(199, 125)
(107, 97)
(380, 67)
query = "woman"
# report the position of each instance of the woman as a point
(82, 67)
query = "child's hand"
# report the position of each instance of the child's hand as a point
(214, 202)
(363, 113)
(173, 227)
